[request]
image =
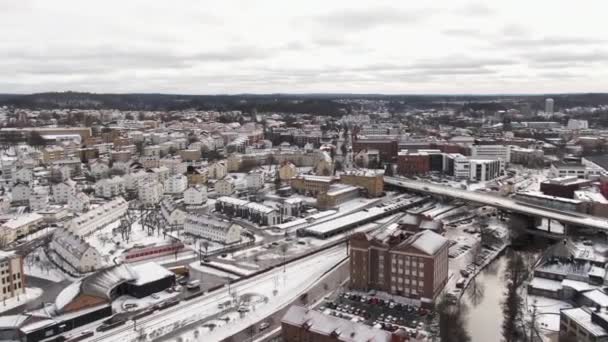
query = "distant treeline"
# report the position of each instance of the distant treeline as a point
(322, 104)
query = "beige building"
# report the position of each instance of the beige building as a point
(52, 153)
(287, 171)
(311, 185)
(19, 227)
(11, 275)
(372, 182)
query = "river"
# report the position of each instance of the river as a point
(485, 314)
(484, 296)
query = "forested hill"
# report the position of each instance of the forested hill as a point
(323, 104)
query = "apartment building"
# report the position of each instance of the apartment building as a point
(63, 190)
(74, 250)
(110, 188)
(150, 192)
(583, 324)
(95, 219)
(255, 212)
(20, 226)
(217, 170)
(414, 267)
(176, 184)
(52, 153)
(195, 195)
(212, 228)
(79, 202)
(12, 275)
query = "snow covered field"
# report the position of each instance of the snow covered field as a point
(281, 287)
(36, 264)
(31, 293)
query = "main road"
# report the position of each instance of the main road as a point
(503, 203)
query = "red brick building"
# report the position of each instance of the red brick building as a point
(413, 163)
(414, 267)
(387, 148)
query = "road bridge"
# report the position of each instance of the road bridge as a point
(507, 204)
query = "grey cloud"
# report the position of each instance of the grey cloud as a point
(458, 32)
(551, 41)
(479, 9)
(359, 19)
(566, 57)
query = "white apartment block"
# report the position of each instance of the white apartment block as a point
(97, 218)
(11, 275)
(110, 188)
(79, 202)
(100, 170)
(176, 184)
(75, 251)
(211, 228)
(485, 170)
(24, 175)
(255, 180)
(492, 152)
(150, 192)
(173, 215)
(195, 195)
(175, 165)
(39, 198)
(21, 192)
(152, 151)
(134, 180)
(63, 190)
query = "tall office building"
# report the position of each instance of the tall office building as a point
(549, 106)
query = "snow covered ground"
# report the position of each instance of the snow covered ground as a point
(547, 310)
(31, 293)
(281, 287)
(122, 303)
(36, 264)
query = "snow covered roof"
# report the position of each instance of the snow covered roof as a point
(546, 284)
(150, 272)
(341, 329)
(598, 297)
(427, 241)
(99, 284)
(22, 220)
(582, 316)
(11, 321)
(67, 295)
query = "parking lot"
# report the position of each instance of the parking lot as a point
(379, 313)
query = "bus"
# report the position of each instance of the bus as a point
(193, 285)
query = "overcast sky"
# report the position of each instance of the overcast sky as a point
(254, 46)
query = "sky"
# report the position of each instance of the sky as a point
(328, 46)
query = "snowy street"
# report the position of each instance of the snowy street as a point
(288, 285)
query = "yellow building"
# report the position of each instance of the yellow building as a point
(311, 185)
(287, 171)
(52, 153)
(372, 182)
